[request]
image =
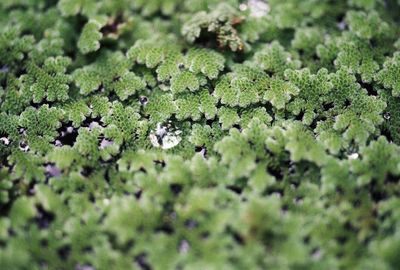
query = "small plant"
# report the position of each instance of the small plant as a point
(199, 134)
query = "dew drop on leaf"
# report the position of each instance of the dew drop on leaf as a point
(23, 146)
(353, 156)
(165, 136)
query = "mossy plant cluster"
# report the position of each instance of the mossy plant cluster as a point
(199, 134)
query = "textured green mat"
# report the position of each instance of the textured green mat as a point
(199, 134)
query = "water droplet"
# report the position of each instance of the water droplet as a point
(23, 146)
(353, 156)
(143, 100)
(165, 136)
(184, 247)
(5, 140)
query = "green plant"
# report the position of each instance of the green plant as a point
(199, 134)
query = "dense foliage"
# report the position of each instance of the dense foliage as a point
(199, 134)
